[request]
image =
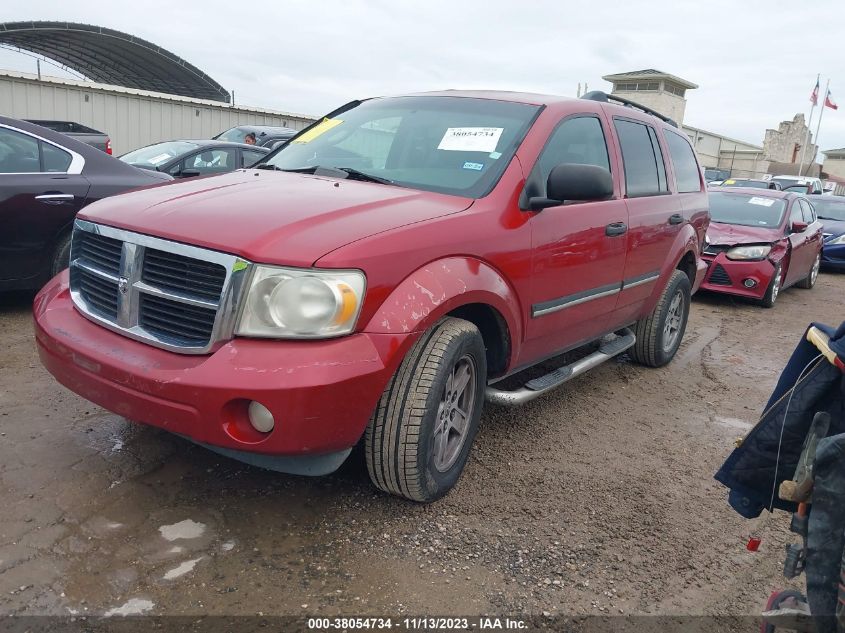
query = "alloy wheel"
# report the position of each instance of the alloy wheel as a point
(454, 413)
(674, 321)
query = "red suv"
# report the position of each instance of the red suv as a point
(376, 278)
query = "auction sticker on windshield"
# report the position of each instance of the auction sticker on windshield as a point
(471, 139)
(321, 128)
(763, 202)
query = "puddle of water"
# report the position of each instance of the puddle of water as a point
(186, 529)
(733, 423)
(182, 569)
(135, 606)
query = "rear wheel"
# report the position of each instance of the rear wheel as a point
(420, 435)
(810, 280)
(773, 290)
(659, 334)
(61, 256)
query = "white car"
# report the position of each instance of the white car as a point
(814, 185)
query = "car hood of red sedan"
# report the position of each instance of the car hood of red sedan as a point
(271, 217)
(730, 234)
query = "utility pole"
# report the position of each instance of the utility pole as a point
(809, 123)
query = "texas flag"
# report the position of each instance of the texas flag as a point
(829, 102)
(814, 97)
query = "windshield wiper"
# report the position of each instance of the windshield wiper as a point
(266, 166)
(824, 217)
(360, 175)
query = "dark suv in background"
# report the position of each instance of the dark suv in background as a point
(80, 132)
(265, 135)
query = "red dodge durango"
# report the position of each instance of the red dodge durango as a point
(377, 278)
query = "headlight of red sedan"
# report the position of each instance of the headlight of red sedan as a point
(749, 252)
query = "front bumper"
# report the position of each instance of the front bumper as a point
(833, 256)
(728, 276)
(321, 393)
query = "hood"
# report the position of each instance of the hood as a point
(730, 234)
(834, 227)
(270, 217)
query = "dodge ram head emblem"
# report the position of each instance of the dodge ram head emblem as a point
(123, 285)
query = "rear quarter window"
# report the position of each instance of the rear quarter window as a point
(643, 161)
(687, 175)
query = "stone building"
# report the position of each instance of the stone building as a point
(786, 144)
(834, 162)
(654, 89)
(779, 154)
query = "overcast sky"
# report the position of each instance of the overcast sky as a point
(755, 61)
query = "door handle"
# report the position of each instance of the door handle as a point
(676, 219)
(55, 197)
(615, 228)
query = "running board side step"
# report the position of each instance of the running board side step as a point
(538, 386)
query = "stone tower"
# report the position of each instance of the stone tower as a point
(655, 89)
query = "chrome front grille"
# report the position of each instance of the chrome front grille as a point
(171, 295)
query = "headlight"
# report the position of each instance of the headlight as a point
(836, 241)
(748, 252)
(297, 303)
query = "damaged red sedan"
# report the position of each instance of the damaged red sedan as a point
(760, 242)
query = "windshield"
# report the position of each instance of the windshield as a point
(746, 210)
(154, 155)
(829, 209)
(451, 145)
(790, 182)
(235, 135)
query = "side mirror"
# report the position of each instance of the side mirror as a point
(188, 173)
(570, 181)
(799, 227)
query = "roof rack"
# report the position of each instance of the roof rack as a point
(598, 95)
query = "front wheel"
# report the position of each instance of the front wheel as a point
(773, 290)
(659, 334)
(419, 437)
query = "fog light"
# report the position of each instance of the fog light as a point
(260, 417)
(749, 283)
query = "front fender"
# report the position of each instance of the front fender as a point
(439, 287)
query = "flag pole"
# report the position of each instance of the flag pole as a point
(809, 123)
(819, 124)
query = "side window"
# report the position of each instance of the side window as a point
(579, 140)
(212, 161)
(796, 215)
(687, 174)
(642, 176)
(250, 157)
(658, 155)
(807, 212)
(18, 153)
(55, 159)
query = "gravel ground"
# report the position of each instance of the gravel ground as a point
(596, 499)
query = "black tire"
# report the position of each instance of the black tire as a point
(810, 280)
(775, 286)
(400, 439)
(61, 256)
(655, 345)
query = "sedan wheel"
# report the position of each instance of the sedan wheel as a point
(774, 288)
(810, 280)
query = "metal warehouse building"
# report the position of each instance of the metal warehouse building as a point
(132, 118)
(143, 93)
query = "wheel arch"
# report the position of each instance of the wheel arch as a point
(462, 287)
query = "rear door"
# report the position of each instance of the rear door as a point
(655, 216)
(578, 249)
(41, 190)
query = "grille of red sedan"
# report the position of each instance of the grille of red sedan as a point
(720, 276)
(137, 286)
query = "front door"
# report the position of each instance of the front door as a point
(578, 248)
(38, 200)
